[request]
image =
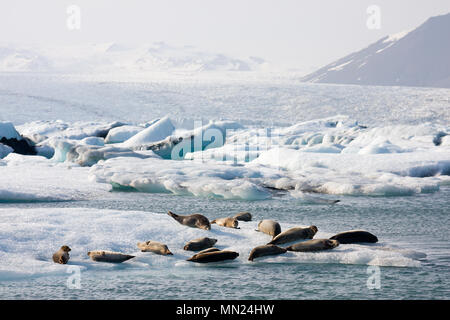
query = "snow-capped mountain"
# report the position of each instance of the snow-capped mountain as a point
(113, 57)
(417, 58)
(17, 59)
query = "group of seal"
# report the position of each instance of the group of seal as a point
(273, 229)
(208, 253)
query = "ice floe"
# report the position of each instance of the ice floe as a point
(156, 132)
(29, 237)
(35, 179)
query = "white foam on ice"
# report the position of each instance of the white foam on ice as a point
(28, 238)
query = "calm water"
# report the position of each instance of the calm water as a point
(419, 223)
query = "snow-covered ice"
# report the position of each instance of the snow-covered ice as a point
(30, 236)
(35, 178)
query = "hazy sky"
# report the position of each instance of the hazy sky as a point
(303, 34)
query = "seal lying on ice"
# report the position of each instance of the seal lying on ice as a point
(155, 247)
(266, 250)
(194, 220)
(214, 256)
(270, 227)
(313, 245)
(243, 216)
(108, 256)
(200, 244)
(355, 236)
(228, 222)
(294, 234)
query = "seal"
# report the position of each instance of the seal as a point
(212, 249)
(108, 256)
(266, 250)
(200, 244)
(214, 256)
(155, 247)
(270, 227)
(294, 234)
(62, 255)
(355, 236)
(243, 216)
(193, 220)
(228, 222)
(313, 245)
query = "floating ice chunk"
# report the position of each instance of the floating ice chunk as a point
(5, 150)
(45, 151)
(384, 147)
(180, 177)
(324, 149)
(7, 131)
(75, 130)
(428, 170)
(86, 155)
(391, 174)
(121, 134)
(212, 135)
(39, 179)
(156, 132)
(229, 152)
(61, 147)
(93, 141)
(44, 128)
(10, 137)
(395, 138)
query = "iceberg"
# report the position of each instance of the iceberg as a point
(183, 142)
(180, 177)
(5, 150)
(10, 137)
(121, 134)
(156, 132)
